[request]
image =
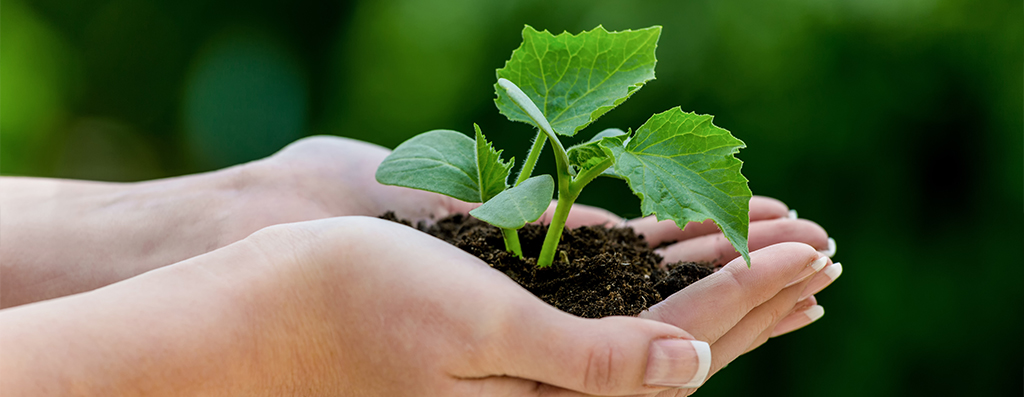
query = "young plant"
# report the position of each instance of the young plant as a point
(681, 165)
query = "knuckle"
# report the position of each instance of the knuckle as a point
(601, 368)
(771, 317)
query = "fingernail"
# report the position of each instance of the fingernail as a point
(678, 363)
(794, 322)
(809, 271)
(831, 251)
(819, 284)
(792, 214)
(814, 312)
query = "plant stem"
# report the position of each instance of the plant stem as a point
(568, 191)
(585, 177)
(531, 158)
(547, 251)
(511, 237)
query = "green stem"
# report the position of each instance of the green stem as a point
(511, 237)
(547, 251)
(568, 191)
(566, 197)
(584, 178)
(531, 158)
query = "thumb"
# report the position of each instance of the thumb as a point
(608, 356)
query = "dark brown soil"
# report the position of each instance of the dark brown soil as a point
(598, 272)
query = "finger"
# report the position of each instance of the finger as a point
(806, 313)
(608, 356)
(712, 306)
(798, 308)
(761, 208)
(716, 249)
(755, 327)
(582, 215)
(822, 279)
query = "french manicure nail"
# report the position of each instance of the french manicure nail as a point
(814, 313)
(834, 271)
(791, 215)
(678, 363)
(831, 251)
(809, 271)
(819, 284)
(798, 320)
(819, 263)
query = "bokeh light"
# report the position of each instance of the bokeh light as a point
(244, 99)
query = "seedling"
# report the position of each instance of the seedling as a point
(681, 165)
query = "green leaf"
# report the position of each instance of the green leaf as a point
(586, 155)
(589, 154)
(446, 162)
(682, 167)
(519, 205)
(574, 79)
(492, 172)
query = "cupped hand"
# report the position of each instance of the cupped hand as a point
(327, 168)
(365, 306)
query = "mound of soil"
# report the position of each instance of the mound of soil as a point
(598, 271)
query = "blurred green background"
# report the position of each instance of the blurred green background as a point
(897, 125)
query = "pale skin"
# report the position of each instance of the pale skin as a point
(294, 309)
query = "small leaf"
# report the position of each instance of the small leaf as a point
(590, 153)
(574, 79)
(682, 167)
(586, 155)
(492, 172)
(519, 205)
(445, 162)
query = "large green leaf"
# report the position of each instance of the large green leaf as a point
(574, 79)
(519, 205)
(682, 167)
(447, 162)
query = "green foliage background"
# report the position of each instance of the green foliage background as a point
(897, 125)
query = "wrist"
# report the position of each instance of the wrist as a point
(61, 237)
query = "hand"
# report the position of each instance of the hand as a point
(429, 319)
(771, 221)
(62, 237)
